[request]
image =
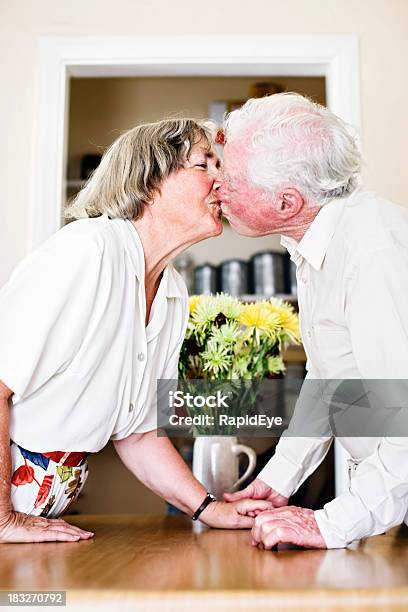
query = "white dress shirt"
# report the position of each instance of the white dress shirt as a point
(352, 273)
(74, 347)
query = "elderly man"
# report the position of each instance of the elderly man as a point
(292, 167)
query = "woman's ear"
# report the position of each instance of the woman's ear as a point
(289, 202)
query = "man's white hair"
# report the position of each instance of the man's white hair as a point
(292, 141)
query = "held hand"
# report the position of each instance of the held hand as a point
(290, 525)
(234, 515)
(20, 527)
(258, 490)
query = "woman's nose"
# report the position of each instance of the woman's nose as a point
(218, 178)
(217, 184)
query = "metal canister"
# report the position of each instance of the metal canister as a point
(184, 264)
(205, 279)
(268, 273)
(233, 277)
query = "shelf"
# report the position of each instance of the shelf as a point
(75, 183)
(255, 297)
(251, 297)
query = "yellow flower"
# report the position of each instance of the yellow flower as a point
(290, 324)
(260, 317)
(194, 301)
(288, 318)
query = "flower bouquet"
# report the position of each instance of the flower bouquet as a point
(230, 347)
(236, 344)
(227, 339)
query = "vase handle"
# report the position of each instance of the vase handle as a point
(250, 453)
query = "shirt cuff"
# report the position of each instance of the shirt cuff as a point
(11, 381)
(343, 520)
(329, 534)
(281, 475)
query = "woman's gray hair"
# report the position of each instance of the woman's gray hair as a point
(291, 140)
(134, 167)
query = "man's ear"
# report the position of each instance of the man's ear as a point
(289, 202)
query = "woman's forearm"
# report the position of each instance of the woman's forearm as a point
(157, 464)
(5, 458)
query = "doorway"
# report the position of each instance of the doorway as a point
(333, 57)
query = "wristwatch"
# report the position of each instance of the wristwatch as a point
(207, 500)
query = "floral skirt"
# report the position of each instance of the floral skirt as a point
(46, 484)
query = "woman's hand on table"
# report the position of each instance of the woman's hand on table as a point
(258, 490)
(289, 525)
(20, 527)
(234, 515)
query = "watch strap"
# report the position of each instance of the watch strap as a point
(207, 500)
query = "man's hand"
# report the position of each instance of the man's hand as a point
(290, 525)
(234, 515)
(20, 527)
(258, 490)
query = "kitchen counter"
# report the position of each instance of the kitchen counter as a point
(164, 563)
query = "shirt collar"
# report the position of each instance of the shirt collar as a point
(173, 289)
(314, 244)
(169, 283)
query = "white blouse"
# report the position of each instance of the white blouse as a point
(74, 347)
(352, 272)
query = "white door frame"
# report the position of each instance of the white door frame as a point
(334, 57)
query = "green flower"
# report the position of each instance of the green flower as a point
(205, 312)
(229, 306)
(227, 333)
(275, 365)
(216, 358)
(241, 367)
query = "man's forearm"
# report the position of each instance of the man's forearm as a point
(5, 458)
(157, 464)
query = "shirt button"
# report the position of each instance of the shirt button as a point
(141, 356)
(309, 334)
(131, 408)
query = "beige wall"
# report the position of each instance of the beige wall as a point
(381, 26)
(100, 109)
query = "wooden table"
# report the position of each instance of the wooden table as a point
(162, 563)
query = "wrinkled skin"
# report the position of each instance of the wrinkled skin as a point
(258, 489)
(252, 212)
(287, 525)
(236, 515)
(20, 527)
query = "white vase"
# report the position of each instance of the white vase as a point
(216, 463)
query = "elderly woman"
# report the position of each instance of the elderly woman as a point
(91, 320)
